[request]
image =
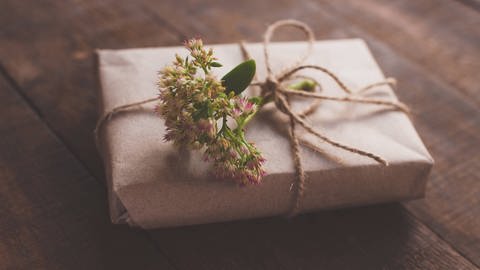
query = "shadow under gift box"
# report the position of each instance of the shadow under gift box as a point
(151, 184)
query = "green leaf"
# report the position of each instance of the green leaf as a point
(216, 64)
(238, 79)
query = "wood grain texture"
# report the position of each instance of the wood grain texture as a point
(377, 237)
(48, 48)
(449, 123)
(53, 214)
(443, 37)
(450, 127)
(49, 53)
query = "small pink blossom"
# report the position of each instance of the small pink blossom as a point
(236, 112)
(244, 105)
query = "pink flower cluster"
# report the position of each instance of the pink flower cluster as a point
(196, 109)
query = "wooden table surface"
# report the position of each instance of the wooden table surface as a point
(53, 204)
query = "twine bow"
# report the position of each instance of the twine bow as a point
(274, 87)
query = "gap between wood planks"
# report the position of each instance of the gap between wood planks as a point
(441, 44)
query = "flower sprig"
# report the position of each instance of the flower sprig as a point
(198, 109)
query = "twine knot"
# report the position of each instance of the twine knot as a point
(270, 86)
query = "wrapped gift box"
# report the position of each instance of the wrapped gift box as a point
(153, 184)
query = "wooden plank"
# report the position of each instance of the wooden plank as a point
(450, 128)
(449, 124)
(53, 214)
(378, 237)
(48, 48)
(67, 86)
(441, 36)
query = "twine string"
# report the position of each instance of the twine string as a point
(274, 87)
(119, 109)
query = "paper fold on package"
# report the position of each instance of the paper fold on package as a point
(153, 184)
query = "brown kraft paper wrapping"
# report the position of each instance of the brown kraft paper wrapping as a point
(153, 184)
